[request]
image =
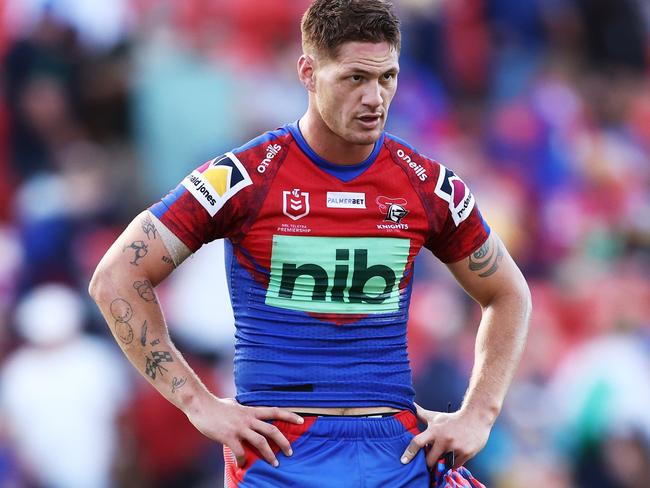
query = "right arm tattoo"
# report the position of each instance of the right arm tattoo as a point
(178, 383)
(153, 367)
(145, 290)
(149, 228)
(122, 313)
(140, 250)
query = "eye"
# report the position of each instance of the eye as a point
(389, 76)
(356, 78)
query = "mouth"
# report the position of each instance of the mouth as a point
(370, 121)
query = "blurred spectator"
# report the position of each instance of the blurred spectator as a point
(600, 394)
(61, 213)
(100, 25)
(60, 394)
(626, 455)
(615, 33)
(41, 88)
(177, 92)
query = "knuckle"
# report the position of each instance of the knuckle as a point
(282, 443)
(259, 442)
(234, 435)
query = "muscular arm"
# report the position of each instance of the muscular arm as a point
(123, 287)
(489, 276)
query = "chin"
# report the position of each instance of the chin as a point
(364, 138)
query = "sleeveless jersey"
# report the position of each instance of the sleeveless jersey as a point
(319, 261)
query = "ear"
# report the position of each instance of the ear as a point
(306, 71)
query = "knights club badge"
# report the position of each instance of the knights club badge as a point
(295, 204)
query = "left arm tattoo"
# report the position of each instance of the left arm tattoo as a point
(485, 261)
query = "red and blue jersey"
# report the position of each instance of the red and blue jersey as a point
(320, 262)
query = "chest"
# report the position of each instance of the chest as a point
(337, 247)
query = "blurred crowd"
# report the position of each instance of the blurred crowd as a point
(542, 106)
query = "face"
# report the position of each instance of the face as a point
(352, 92)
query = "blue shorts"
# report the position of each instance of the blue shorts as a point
(337, 452)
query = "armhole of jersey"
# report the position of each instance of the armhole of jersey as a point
(176, 249)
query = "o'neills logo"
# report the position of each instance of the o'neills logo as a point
(272, 151)
(418, 169)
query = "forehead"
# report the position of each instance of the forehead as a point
(366, 56)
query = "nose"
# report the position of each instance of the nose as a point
(372, 96)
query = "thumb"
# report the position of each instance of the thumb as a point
(239, 453)
(420, 412)
(425, 416)
(412, 449)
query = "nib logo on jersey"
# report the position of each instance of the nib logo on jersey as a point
(223, 178)
(455, 192)
(393, 210)
(343, 275)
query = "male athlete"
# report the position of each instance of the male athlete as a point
(322, 221)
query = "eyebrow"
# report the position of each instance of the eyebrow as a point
(392, 69)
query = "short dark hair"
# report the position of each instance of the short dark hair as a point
(328, 24)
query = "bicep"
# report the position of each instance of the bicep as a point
(488, 272)
(142, 250)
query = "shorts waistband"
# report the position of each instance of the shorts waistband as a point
(363, 416)
(351, 427)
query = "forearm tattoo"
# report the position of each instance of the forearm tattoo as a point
(145, 290)
(143, 334)
(140, 250)
(178, 383)
(153, 368)
(122, 313)
(485, 261)
(149, 228)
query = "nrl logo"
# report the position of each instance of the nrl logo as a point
(295, 204)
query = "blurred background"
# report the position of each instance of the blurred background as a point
(543, 107)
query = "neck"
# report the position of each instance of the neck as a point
(329, 145)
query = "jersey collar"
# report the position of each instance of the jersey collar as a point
(342, 172)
